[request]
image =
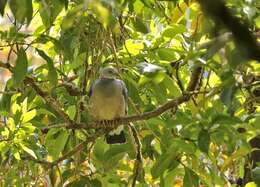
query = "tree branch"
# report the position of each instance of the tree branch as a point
(138, 166)
(220, 13)
(174, 103)
(48, 99)
(6, 66)
(76, 149)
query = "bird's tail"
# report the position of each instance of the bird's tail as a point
(116, 138)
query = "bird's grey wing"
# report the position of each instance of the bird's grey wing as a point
(90, 92)
(125, 94)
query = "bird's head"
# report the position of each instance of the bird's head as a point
(108, 72)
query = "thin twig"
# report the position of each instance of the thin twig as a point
(174, 103)
(138, 166)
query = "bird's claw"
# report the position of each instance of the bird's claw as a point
(110, 123)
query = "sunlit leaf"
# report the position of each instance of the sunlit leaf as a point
(28, 116)
(251, 184)
(133, 47)
(172, 30)
(167, 54)
(29, 151)
(71, 111)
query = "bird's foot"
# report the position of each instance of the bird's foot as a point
(107, 123)
(110, 123)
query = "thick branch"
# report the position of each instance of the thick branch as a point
(6, 66)
(220, 13)
(147, 115)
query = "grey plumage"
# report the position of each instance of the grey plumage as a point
(108, 101)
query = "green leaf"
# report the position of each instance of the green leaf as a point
(227, 95)
(71, 111)
(29, 151)
(18, 9)
(167, 54)
(256, 175)
(20, 68)
(16, 154)
(29, 11)
(2, 6)
(5, 103)
(80, 182)
(204, 141)
(173, 30)
(28, 116)
(257, 21)
(165, 161)
(71, 16)
(99, 149)
(191, 179)
(133, 47)
(55, 142)
(140, 26)
(162, 164)
(52, 74)
(49, 10)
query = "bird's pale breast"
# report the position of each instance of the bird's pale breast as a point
(107, 101)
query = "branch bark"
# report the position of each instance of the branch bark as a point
(218, 11)
(174, 103)
(48, 99)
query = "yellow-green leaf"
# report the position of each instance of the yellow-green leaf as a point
(29, 151)
(28, 116)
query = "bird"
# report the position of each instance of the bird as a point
(108, 98)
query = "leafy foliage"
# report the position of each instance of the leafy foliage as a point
(54, 50)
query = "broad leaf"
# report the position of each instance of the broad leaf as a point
(2, 6)
(20, 68)
(204, 141)
(191, 179)
(28, 116)
(52, 74)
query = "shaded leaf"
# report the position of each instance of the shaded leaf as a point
(29, 11)
(256, 175)
(52, 74)
(55, 142)
(165, 161)
(204, 141)
(227, 95)
(191, 179)
(140, 26)
(19, 9)
(20, 68)
(167, 54)
(2, 6)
